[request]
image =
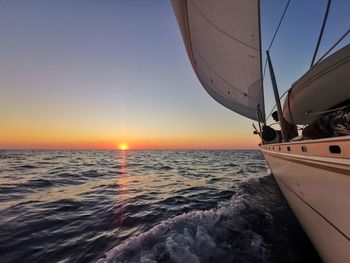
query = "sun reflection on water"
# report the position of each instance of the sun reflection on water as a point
(123, 191)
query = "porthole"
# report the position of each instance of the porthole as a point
(303, 149)
(334, 149)
(288, 148)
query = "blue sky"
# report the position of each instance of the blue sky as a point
(111, 71)
(296, 41)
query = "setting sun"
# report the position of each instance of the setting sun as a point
(123, 146)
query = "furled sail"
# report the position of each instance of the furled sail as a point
(222, 39)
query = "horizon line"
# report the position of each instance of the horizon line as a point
(94, 149)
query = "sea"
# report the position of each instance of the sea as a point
(145, 206)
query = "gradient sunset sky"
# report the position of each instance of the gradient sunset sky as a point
(89, 74)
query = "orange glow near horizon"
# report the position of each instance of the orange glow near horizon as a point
(123, 146)
(21, 136)
(220, 141)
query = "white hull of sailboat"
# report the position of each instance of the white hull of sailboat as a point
(223, 42)
(314, 176)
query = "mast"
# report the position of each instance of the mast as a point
(277, 98)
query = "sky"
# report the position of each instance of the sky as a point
(90, 74)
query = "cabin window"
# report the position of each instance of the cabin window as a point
(334, 149)
(304, 149)
(273, 148)
(288, 148)
(279, 148)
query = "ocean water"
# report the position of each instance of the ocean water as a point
(145, 206)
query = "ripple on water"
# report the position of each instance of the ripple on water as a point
(242, 229)
(73, 206)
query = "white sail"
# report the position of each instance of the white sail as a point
(222, 38)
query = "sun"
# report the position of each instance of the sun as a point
(123, 146)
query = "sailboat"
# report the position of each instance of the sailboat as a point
(312, 167)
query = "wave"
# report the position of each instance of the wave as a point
(247, 228)
(26, 166)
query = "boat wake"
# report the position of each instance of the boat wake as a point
(255, 225)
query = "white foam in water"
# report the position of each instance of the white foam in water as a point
(223, 234)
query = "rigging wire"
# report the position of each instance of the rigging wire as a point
(334, 45)
(274, 107)
(321, 32)
(275, 34)
(316, 50)
(279, 24)
(310, 113)
(270, 45)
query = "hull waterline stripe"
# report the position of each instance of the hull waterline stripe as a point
(308, 163)
(326, 140)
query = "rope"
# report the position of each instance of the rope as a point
(327, 111)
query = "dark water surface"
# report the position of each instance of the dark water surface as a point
(144, 206)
